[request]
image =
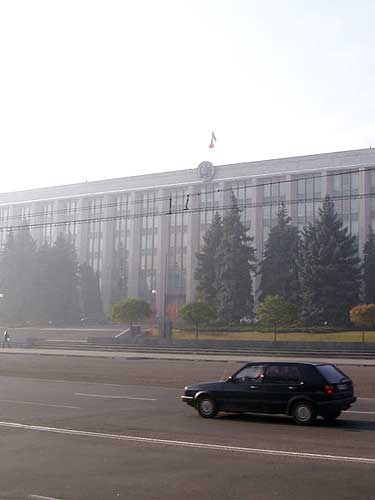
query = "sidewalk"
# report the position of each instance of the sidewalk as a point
(180, 356)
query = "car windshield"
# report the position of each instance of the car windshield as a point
(331, 373)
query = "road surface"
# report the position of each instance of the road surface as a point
(85, 429)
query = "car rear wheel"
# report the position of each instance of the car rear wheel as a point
(206, 407)
(303, 413)
(331, 415)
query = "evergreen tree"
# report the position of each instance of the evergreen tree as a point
(369, 268)
(330, 270)
(279, 268)
(235, 263)
(206, 269)
(92, 306)
(18, 271)
(63, 279)
(119, 275)
(44, 290)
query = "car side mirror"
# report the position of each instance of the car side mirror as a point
(231, 379)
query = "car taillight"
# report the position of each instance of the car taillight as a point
(328, 389)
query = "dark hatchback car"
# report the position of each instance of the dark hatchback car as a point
(300, 390)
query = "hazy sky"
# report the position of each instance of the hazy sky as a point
(98, 89)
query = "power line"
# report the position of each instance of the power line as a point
(183, 210)
(176, 196)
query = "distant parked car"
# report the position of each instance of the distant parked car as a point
(248, 321)
(300, 390)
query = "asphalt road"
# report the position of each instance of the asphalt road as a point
(103, 429)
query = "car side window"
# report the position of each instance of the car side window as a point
(281, 374)
(253, 372)
(312, 376)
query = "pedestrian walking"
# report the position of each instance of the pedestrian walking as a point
(6, 340)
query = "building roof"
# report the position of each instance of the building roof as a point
(264, 168)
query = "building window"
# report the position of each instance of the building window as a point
(209, 203)
(345, 194)
(4, 223)
(372, 198)
(274, 194)
(46, 218)
(244, 191)
(71, 214)
(177, 236)
(149, 208)
(95, 234)
(309, 193)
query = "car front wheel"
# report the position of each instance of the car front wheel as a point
(206, 407)
(303, 413)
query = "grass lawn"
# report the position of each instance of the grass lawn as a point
(281, 337)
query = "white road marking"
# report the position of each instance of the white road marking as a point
(38, 404)
(187, 444)
(66, 340)
(360, 412)
(40, 497)
(112, 397)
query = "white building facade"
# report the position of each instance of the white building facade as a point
(141, 234)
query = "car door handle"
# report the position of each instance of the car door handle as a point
(292, 387)
(253, 387)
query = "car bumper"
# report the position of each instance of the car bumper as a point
(337, 404)
(188, 400)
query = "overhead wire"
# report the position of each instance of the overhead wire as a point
(182, 210)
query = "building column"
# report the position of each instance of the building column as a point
(14, 218)
(364, 206)
(291, 199)
(193, 236)
(83, 230)
(162, 256)
(135, 245)
(259, 233)
(108, 247)
(327, 184)
(36, 217)
(259, 219)
(59, 215)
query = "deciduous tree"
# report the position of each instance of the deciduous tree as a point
(275, 311)
(197, 313)
(363, 315)
(130, 310)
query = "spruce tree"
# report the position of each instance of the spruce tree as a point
(45, 285)
(279, 268)
(63, 278)
(92, 307)
(235, 263)
(330, 270)
(119, 275)
(207, 266)
(18, 271)
(369, 268)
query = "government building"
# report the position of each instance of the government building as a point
(141, 233)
